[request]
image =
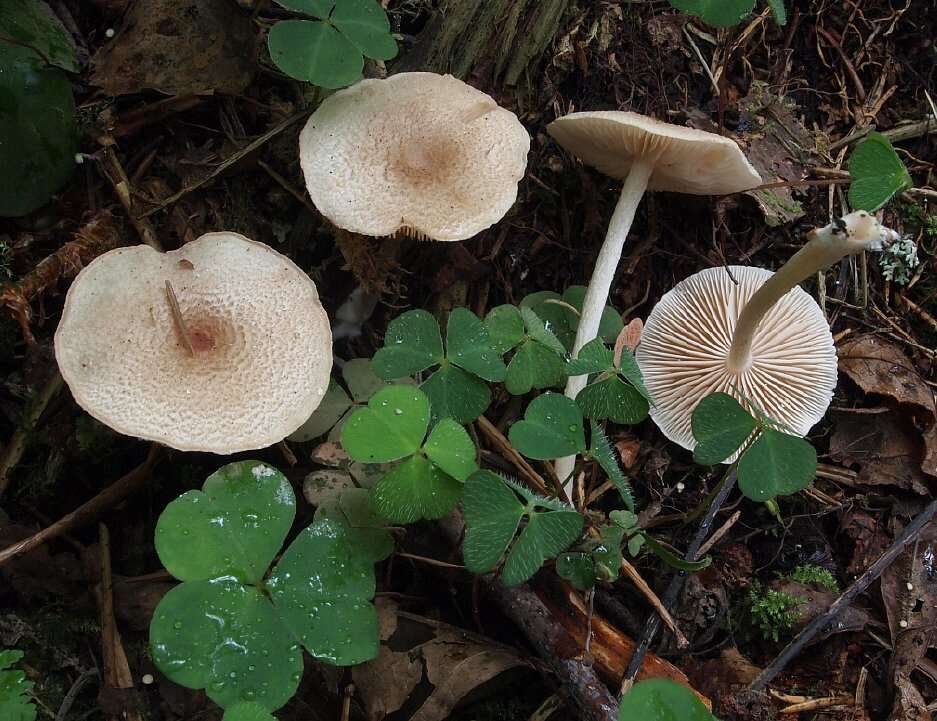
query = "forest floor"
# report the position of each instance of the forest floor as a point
(197, 143)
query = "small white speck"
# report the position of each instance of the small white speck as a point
(262, 471)
(903, 623)
(147, 679)
(79, 158)
(680, 487)
(909, 586)
(109, 33)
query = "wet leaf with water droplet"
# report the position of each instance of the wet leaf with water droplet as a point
(545, 431)
(469, 346)
(378, 434)
(660, 699)
(415, 489)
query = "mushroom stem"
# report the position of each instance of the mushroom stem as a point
(177, 318)
(602, 276)
(851, 234)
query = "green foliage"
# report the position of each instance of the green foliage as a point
(457, 390)
(629, 523)
(724, 13)
(428, 481)
(15, 703)
(248, 711)
(660, 699)
(773, 464)
(38, 136)
(330, 51)
(333, 411)
(560, 313)
(494, 508)
(810, 574)
(618, 392)
(877, 173)
(538, 355)
(773, 612)
(234, 628)
(552, 428)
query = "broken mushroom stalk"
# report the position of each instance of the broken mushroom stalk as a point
(220, 346)
(416, 154)
(751, 333)
(648, 155)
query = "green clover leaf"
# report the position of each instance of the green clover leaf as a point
(412, 344)
(721, 13)
(618, 393)
(15, 703)
(428, 483)
(226, 630)
(660, 699)
(505, 327)
(720, 426)
(552, 428)
(877, 173)
(247, 711)
(365, 23)
(576, 568)
(776, 464)
(561, 314)
(493, 511)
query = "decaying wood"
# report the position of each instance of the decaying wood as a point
(97, 236)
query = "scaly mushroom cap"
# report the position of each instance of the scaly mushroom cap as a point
(686, 160)
(261, 344)
(418, 153)
(686, 340)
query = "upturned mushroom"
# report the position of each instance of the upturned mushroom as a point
(750, 333)
(220, 346)
(648, 155)
(420, 154)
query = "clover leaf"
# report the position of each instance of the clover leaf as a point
(561, 314)
(238, 636)
(552, 428)
(538, 358)
(333, 410)
(38, 133)
(773, 463)
(15, 703)
(618, 392)
(493, 511)
(505, 327)
(329, 52)
(601, 561)
(660, 699)
(247, 711)
(428, 482)
(577, 568)
(721, 13)
(413, 344)
(877, 173)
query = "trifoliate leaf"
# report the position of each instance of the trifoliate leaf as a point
(415, 489)
(315, 52)
(335, 403)
(776, 464)
(457, 394)
(546, 535)
(720, 426)
(610, 324)
(779, 11)
(552, 428)
(505, 327)
(628, 367)
(606, 552)
(412, 344)
(469, 346)
(451, 448)
(877, 173)
(15, 703)
(594, 357)
(365, 24)
(538, 331)
(247, 711)
(316, 8)
(392, 426)
(534, 366)
(492, 513)
(612, 399)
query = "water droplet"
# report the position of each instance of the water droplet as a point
(398, 412)
(177, 625)
(573, 428)
(249, 695)
(251, 668)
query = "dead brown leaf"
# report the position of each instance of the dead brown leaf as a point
(179, 47)
(423, 658)
(883, 369)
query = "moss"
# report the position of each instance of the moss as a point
(773, 612)
(810, 574)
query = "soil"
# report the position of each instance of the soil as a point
(201, 153)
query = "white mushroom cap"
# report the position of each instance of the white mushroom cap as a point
(685, 160)
(419, 153)
(686, 341)
(262, 347)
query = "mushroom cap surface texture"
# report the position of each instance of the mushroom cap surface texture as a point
(685, 160)
(262, 345)
(685, 344)
(417, 153)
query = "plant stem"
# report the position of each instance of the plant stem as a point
(601, 283)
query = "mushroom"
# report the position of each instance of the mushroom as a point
(220, 346)
(649, 155)
(420, 154)
(750, 333)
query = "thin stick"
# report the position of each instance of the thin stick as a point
(14, 450)
(516, 459)
(88, 512)
(844, 601)
(719, 534)
(648, 593)
(178, 319)
(652, 625)
(346, 701)
(429, 561)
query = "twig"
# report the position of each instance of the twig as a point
(670, 595)
(346, 701)
(632, 573)
(177, 318)
(719, 534)
(73, 692)
(845, 600)
(815, 704)
(516, 459)
(115, 173)
(13, 452)
(429, 561)
(89, 511)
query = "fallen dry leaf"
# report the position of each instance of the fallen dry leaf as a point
(179, 47)
(883, 369)
(629, 338)
(429, 663)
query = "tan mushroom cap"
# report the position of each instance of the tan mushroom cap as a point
(262, 346)
(419, 153)
(686, 160)
(686, 340)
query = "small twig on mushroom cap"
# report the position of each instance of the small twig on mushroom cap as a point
(178, 319)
